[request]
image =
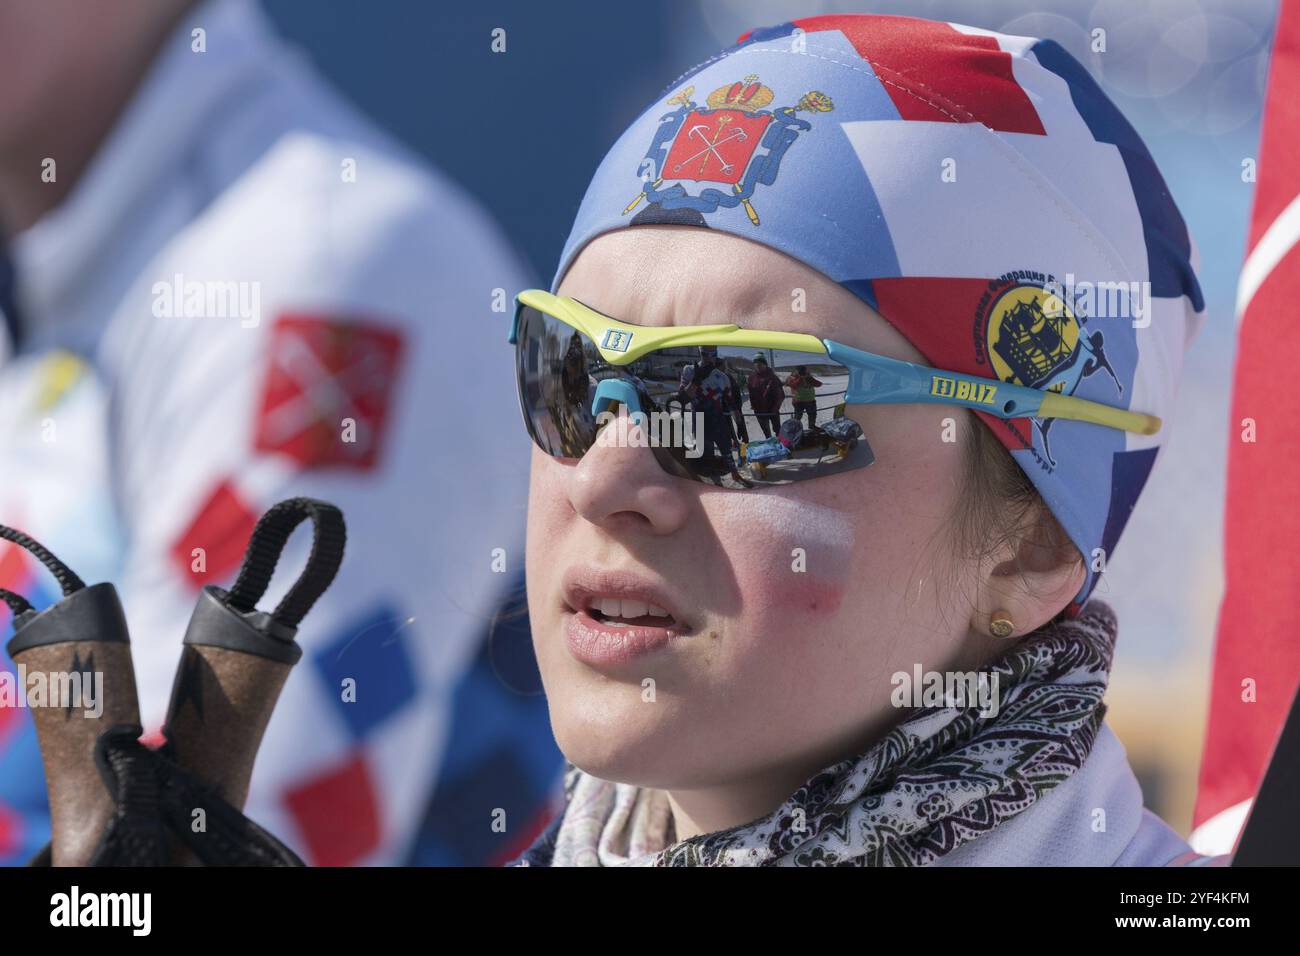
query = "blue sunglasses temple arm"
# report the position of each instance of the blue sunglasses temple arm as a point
(514, 324)
(877, 380)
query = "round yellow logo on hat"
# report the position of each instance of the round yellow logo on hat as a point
(1032, 335)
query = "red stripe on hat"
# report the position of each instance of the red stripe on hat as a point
(1260, 616)
(942, 318)
(937, 74)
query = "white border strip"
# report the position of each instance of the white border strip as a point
(1272, 247)
(1218, 835)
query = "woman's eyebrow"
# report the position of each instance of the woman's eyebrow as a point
(746, 314)
(651, 306)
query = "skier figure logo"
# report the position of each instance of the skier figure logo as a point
(1035, 339)
(719, 143)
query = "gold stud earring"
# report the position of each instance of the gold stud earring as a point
(1001, 625)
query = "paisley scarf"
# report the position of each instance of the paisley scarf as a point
(942, 777)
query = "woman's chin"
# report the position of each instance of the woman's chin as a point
(632, 744)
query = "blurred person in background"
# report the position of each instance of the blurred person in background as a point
(221, 287)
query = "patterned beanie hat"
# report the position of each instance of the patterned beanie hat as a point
(977, 190)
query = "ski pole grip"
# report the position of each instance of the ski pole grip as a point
(236, 658)
(74, 663)
(232, 669)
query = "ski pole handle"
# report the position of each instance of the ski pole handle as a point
(76, 656)
(237, 658)
(232, 669)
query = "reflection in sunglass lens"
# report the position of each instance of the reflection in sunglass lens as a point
(766, 417)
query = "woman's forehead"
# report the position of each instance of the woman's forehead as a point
(686, 275)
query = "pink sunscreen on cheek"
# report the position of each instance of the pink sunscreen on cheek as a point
(790, 557)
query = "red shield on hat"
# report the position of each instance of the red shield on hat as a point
(715, 145)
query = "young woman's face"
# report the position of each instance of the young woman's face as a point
(790, 608)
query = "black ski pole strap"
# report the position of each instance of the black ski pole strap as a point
(155, 804)
(67, 579)
(226, 837)
(17, 603)
(135, 836)
(266, 546)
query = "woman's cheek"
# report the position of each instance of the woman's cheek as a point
(548, 504)
(790, 557)
(549, 518)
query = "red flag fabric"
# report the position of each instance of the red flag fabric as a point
(1257, 651)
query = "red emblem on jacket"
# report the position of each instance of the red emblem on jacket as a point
(328, 391)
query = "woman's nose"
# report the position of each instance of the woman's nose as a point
(619, 485)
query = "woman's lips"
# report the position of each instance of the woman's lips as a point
(600, 644)
(613, 618)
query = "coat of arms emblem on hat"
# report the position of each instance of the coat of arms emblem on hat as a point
(719, 143)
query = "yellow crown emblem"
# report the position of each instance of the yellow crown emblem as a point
(748, 95)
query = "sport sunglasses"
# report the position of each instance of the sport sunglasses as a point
(733, 407)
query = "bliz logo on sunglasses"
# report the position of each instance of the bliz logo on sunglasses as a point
(616, 340)
(981, 393)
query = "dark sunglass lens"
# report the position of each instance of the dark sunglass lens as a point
(735, 418)
(555, 364)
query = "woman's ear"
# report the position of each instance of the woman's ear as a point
(1028, 582)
